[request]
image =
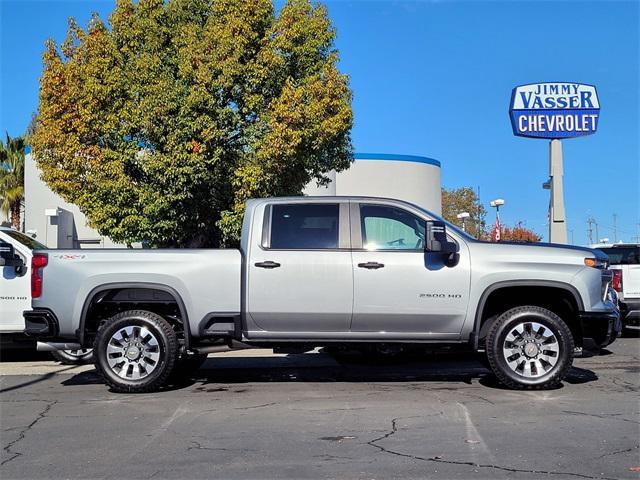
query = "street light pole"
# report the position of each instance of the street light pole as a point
(497, 203)
(463, 216)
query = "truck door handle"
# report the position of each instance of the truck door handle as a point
(371, 265)
(267, 264)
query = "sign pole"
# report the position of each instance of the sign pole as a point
(557, 217)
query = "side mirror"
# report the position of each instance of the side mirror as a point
(436, 242)
(8, 257)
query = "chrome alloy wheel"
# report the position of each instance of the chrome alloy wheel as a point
(133, 352)
(531, 349)
(78, 353)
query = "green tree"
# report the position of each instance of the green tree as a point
(12, 178)
(460, 200)
(161, 127)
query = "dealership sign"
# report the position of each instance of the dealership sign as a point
(554, 110)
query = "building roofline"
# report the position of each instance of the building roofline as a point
(364, 156)
(397, 158)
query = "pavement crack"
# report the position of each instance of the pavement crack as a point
(438, 459)
(256, 406)
(199, 446)
(609, 416)
(9, 447)
(626, 450)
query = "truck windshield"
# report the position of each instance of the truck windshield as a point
(25, 240)
(623, 255)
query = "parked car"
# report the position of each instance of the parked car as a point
(15, 295)
(625, 265)
(326, 271)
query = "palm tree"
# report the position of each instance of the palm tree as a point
(12, 178)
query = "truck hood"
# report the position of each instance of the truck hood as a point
(541, 252)
(581, 250)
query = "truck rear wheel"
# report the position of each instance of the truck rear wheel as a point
(135, 351)
(530, 347)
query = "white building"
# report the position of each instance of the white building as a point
(53, 221)
(404, 177)
(59, 224)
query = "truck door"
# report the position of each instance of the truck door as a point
(397, 286)
(300, 277)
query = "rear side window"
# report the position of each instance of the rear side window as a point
(623, 255)
(304, 226)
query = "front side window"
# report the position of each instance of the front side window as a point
(304, 226)
(390, 228)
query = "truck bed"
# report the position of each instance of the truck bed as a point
(207, 280)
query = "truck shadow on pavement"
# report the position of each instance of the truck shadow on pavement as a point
(217, 373)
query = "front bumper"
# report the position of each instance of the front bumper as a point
(630, 311)
(40, 323)
(601, 327)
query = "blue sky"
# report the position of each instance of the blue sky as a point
(434, 79)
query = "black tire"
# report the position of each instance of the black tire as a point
(73, 357)
(166, 351)
(505, 324)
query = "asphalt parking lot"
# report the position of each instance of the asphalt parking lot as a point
(252, 414)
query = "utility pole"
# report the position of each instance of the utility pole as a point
(590, 221)
(477, 214)
(615, 228)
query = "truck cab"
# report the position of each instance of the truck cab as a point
(358, 269)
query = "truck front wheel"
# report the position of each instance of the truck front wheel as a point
(529, 347)
(135, 351)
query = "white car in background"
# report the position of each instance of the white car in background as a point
(15, 295)
(625, 265)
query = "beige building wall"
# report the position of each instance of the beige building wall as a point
(53, 221)
(405, 177)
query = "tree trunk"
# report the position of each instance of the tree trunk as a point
(15, 215)
(198, 241)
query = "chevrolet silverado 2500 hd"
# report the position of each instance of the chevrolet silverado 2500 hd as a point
(326, 271)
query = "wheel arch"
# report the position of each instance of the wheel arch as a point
(480, 317)
(107, 287)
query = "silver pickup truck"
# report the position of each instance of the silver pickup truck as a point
(327, 271)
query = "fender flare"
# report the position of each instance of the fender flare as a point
(122, 285)
(519, 283)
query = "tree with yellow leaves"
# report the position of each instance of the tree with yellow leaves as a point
(161, 124)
